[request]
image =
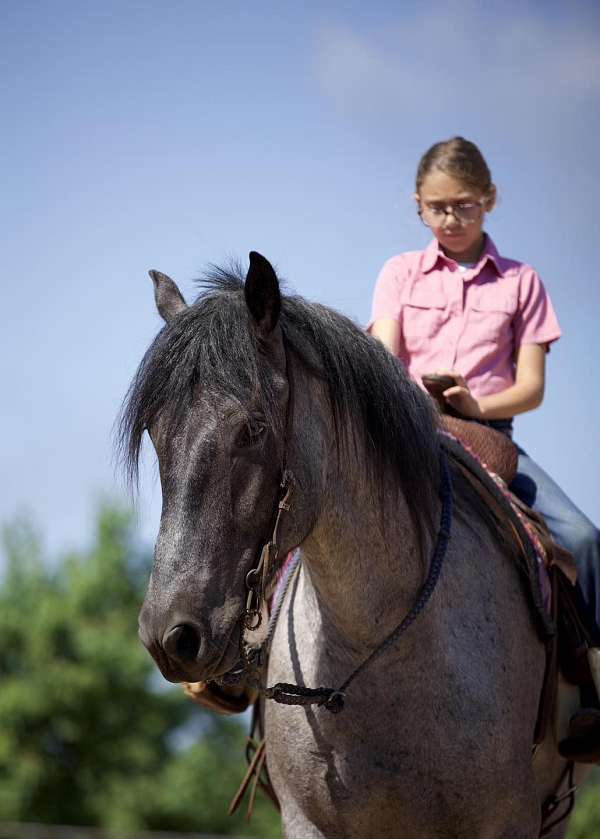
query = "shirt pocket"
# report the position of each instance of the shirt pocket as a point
(423, 316)
(490, 315)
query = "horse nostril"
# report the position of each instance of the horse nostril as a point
(181, 642)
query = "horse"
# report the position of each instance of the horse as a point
(435, 737)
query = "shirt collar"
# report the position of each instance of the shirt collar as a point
(433, 253)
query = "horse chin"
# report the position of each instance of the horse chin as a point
(229, 660)
(176, 674)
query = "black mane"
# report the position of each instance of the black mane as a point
(378, 412)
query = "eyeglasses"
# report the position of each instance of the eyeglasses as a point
(465, 212)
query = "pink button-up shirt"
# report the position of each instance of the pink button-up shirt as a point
(471, 321)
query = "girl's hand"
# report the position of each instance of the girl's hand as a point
(460, 397)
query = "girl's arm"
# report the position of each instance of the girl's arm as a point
(526, 394)
(388, 332)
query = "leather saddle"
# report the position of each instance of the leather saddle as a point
(495, 450)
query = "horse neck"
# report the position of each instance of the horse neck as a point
(363, 558)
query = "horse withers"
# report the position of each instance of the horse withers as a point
(435, 739)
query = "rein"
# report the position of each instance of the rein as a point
(254, 657)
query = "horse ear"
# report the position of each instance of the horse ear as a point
(262, 293)
(169, 300)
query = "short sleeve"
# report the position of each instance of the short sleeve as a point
(386, 296)
(535, 321)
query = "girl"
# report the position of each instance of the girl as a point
(460, 308)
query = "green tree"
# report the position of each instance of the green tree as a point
(87, 732)
(585, 822)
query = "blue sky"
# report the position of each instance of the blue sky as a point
(143, 135)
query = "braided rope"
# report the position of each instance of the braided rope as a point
(289, 571)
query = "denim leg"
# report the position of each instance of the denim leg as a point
(568, 526)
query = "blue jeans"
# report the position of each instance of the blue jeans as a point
(569, 527)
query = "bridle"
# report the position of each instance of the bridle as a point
(258, 579)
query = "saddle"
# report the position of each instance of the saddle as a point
(493, 449)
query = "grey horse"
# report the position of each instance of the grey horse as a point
(435, 739)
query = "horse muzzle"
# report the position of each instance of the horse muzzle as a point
(184, 651)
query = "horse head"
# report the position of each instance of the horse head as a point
(212, 392)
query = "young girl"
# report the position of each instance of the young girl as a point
(460, 308)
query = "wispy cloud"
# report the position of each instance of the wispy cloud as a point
(465, 57)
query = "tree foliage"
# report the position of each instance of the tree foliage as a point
(88, 733)
(585, 821)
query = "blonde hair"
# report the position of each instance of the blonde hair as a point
(459, 158)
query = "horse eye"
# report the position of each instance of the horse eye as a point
(250, 433)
